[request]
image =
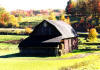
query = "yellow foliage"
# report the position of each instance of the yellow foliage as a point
(17, 25)
(13, 21)
(19, 18)
(92, 36)
(63, 17)
(68, 20)
(28, 30)
(17, 31)
(74, 3)
(52, 16)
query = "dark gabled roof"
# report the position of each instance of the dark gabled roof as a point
(65, 29)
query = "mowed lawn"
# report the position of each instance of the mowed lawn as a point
(77, 60)
(11, 37)
(90, 62)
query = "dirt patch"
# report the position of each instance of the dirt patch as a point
(79, 56)
(12, 41)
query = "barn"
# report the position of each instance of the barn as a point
(50, 38)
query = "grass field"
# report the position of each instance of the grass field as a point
(77, 60)
(11, 37)
(83, 44)
(31, 63)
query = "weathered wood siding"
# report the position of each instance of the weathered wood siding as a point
(70, 44)
(74, 43)
(66, 46)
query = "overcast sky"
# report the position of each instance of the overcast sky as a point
(33, 4)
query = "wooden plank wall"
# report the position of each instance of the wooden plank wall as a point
(70, 44)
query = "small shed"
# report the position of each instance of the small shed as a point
(50, 37)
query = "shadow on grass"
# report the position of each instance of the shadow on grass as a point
(85, 50)
(91, 43)
(85, 35)
(45, 56)
(22, 55)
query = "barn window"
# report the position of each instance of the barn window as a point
(45, 24)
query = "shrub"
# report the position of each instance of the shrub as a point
(92, 36)
(28, 30)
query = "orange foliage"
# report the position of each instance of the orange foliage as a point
(4, 19)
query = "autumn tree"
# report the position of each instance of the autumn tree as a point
(2, 10)
(67, 20)
(63, 17)
(83, 7)
(19, 18)
(52, 16)
(4, 17)
(70, 8)
(13, 21)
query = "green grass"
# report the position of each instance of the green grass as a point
(35, 18)
(15, 62)
(15, 31)
(6, 49)
(11, 37)
(46, 63)
(29, 64)
(91, 64)
(83, 44)
(32, 21)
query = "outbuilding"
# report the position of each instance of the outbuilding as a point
(49, 38)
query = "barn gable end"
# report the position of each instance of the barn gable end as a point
(45, 29)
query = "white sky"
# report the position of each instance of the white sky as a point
(33, 4)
